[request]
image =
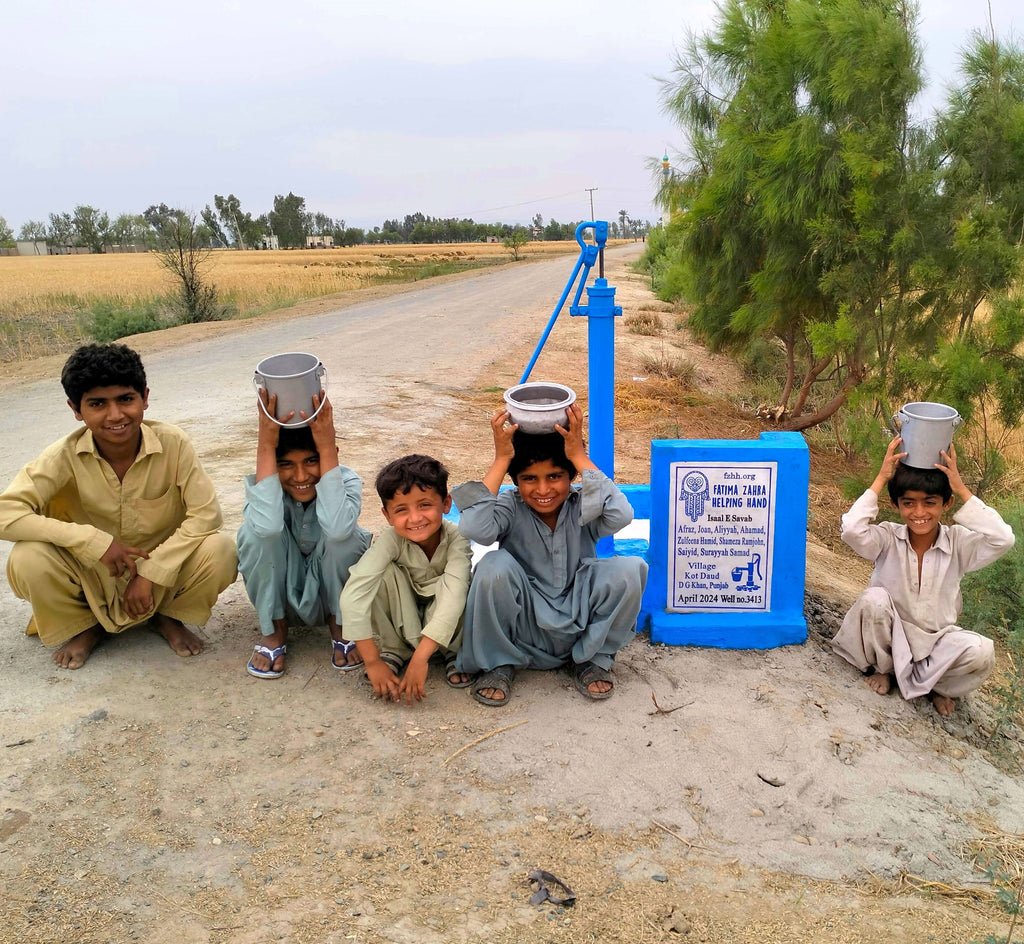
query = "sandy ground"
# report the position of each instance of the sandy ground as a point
(719, 796)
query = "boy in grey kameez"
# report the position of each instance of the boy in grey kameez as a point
(904, 626)
(299, 535)
(543, 599)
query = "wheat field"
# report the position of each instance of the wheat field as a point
(46, 301)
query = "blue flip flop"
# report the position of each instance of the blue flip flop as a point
(343, 647)
(272, 655)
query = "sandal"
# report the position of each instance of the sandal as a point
(450, 672)
(272, 655)
(394, 662)
(500, 678)
(585, 674)
(343, 647)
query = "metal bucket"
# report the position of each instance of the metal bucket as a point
(294, 378)
(927, 430)
(537, 407)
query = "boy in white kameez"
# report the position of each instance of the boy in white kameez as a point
(544, 600)
(904, 626)
(299, 534)
(405, 598)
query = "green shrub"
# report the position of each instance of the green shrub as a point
(994, 604)
(110, 321)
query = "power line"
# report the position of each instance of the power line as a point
(509, 206)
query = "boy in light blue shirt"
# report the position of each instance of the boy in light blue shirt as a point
(299, 536)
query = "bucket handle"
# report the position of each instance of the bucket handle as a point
(897, 422)
(257, 386)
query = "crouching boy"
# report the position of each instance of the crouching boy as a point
(904, 626)
(543, 600)
(405, 598)
(299, 534)
(117, 523)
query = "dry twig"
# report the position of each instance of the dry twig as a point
(483, 737)
(665, 711)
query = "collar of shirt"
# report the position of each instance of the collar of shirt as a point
(150, 443)
(942, 542)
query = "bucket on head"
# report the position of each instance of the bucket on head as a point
(537, 407)
(927, 430)
(294, 378)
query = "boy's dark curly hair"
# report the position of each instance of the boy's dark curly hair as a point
(402, 474)
(538, 447)
(294, 437)
(102, 365)
(908, 478)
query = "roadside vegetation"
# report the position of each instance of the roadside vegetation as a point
(48, 304)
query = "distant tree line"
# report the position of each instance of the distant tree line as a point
(225, 224)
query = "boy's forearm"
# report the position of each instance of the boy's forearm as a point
(424, 650)
(367, 648)
(266, 461)
(878, 484)
(496, 474)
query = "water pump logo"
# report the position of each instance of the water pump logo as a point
(751, 568)
(694, 491)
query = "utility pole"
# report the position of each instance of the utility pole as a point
(591, 190)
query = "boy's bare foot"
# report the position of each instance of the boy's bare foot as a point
(880, 682)
(179, 637)
(944, 705)
(76, 651)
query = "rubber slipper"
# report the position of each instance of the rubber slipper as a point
(272, 655)
(391, 660)
(500, 678)
(586, 673)
(450, 670)
(342, 647)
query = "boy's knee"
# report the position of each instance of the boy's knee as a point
(982, 655)
(495, 567)
(28, 559)
(220, 555)
(876, 600)
(622, 574)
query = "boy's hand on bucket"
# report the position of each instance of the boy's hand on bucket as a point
(322, 423)
(948, 465)
(889, 463)
(892, 459)
(268, 431)
(575, 448)
(503, 428)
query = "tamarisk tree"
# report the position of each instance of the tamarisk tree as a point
(796, 210)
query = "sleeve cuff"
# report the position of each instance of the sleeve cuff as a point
(465, 496)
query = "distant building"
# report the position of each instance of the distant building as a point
(32, 247)
(323, 241)
(267, 242)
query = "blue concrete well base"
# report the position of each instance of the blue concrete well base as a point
(728, 540)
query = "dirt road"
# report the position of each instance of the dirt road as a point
(764, 796)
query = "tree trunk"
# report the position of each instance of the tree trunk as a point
(805, 388)
(798, 423)
(787, 390)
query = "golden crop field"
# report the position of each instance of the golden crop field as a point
(47, 302)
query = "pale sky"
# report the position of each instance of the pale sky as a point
(370, 111)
